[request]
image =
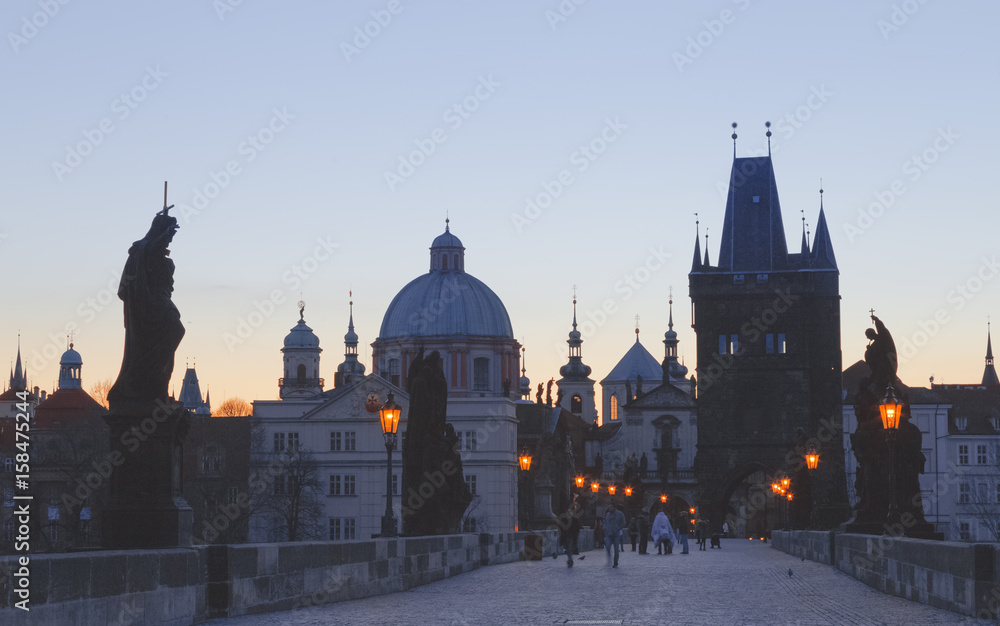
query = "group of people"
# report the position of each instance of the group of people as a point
(663, 534)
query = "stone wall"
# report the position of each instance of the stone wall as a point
(191, 585)
(815, 545)
(959, 577)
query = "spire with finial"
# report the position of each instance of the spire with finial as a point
(574, 370)
(525, 382)
(18, 377)
(822, 246)
(351, 369)
(696, 262)
(734, 140)
(805, 238)
(671, 368)
(707, 263)
(768, 134)
(637, 328)
(989, 374)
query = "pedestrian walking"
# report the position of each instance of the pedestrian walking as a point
(700, 535)
(682, 534)
(624, 529)
(725, 529)
(598, 532)
(614, 523)
(569, 532)
(662, 533)
(633, 531)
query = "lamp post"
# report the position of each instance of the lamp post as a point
(524, 460)
(812, 462)
(579, 482)
(389, 420)
(890, 409)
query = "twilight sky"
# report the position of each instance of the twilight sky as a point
(307, 157)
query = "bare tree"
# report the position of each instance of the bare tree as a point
(99, 391)
(233, 407)
(984, 493)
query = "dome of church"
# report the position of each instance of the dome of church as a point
(71, 357)
(636, 362)
(301, 336)
(446, 300)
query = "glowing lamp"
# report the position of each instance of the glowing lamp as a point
(691, 510)
(388, 416)
(890, 408)
(579, 481)
(611, 489)
(775, 487)
(595, 487)
(812, 460)
(525, 459)
(663, 498)
(789, 497)
(785, 482)
(628, 491)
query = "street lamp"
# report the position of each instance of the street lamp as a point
(579, 482)
(812, 459)
(595, 486)
(389, 420)
(525, 459)
(611, 489)
(890, 409)
(663, 498)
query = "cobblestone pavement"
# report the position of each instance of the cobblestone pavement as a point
(744, 583)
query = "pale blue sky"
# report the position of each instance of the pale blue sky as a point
(887, 96)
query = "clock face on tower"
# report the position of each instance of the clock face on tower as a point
(373, 402)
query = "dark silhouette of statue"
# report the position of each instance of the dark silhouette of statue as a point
(548, 392)
(435, 495)
(153, 328)
(538, 396)
(880, 355)
(559, 397)
(643, 464)
(628, 391)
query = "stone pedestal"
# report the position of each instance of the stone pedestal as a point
(146, 508)
(544, 517)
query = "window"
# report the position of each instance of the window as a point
(481, 373)
(395, 484)
(335, 484)
(782, 347)
(349, 486)
(211, 464)
(769, 343)
(963, 531)
(470, 480)
(293, 442)
(964, 493)
(576, 404)
(334, 442)
(300, 373)
(614, 408)
(756, 199)
(961, 423)
(963, 454)
(334, 529)
(349, 441)
(232, 496)
(348, 528)
(279, 442)
(723, 344)
(394, 371)
(995, 421)
(471, 441)
(342, 528)
(734, 344)
(981, 454)
(469, 525)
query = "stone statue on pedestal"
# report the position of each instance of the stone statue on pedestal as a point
(435, 495)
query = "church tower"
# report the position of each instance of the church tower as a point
(301, 379)
(576, 386)
(70, 366)
(18, 377)
(769, 361)
(990, 373)
(351, 369)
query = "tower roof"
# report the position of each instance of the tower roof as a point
(753, 237)
(636, 362)
(822, 252)
(990, 373)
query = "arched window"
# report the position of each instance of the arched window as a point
(576, 403)
(614, 407)
(481, 373)
(394, 371)
(300, 373)
(444, 261)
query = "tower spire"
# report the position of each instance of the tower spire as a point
(822, 246)
(768, 133)
(804, 251)
(989, 374)
(734, 140)
(696, 263)
(707, 263)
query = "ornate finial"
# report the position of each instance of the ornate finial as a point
(302, 310)
(671, 292)
(637, 327)
(734, 140)
(768, 133)
(670, 323)
(447, 221)
(523, 364)
(696, 221)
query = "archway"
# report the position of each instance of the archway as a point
(745, 502)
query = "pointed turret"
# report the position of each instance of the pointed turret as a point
(804, 249)
(574, 370)
(696, 262)
(990, 373)
(671, 368)
(351, 369)
(18, 378)
(576, 387)
(822, 250)
(707, 263)
(753, 237)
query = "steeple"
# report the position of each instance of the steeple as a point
(671, 368)
(822, 250)
(18, 378)
(707, 262)
(804, 250)
(990, 373)
(753, 237)
(696, 263)
(351, 369)
(575, 369)
(525, 382)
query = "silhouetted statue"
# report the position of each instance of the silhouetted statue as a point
(638, 385)
(548, 392)
(559, 397)
(643, 464)
(538, 396)
(435, 495)
(910, 461)
(880, 355)
(153, 328)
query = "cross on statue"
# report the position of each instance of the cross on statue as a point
(165, 207)
(871, 312)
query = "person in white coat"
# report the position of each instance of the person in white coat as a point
(663, 534)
